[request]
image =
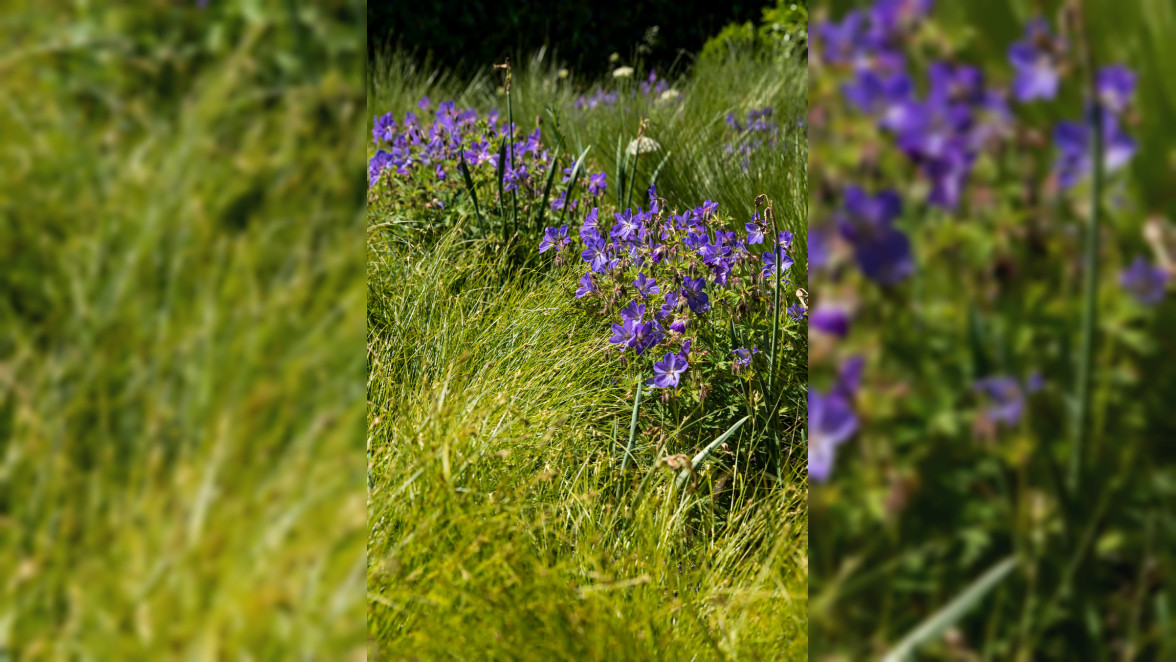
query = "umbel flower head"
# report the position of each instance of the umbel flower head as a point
(643, 145)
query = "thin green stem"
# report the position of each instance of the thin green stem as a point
(1090, 299)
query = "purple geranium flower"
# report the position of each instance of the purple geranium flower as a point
(1007, 397)
(1036, 63)
(773, 258)
(796, 312)
(586, 285)
(833, 320)
(596, 183)
(646, 286)
(755, 234)
(668, 371)
(1073, 141)
(743, 356)
(831, 423)
(376, 165)
(696, 298)
(1144, 282)
(596, 254)
(1116, 85)
(883, 252)
(555, 238)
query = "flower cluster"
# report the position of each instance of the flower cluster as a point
(651, 87)
(438, 147)
(944, 120)
(663, 272)
(759, 131)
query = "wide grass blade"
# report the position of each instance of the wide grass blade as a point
(632, 435)
(547, 187)
(620, 175)
(705, 453)
(501, 175)
(576, 167)
(658, 169)
(952, 612)
(469, 182)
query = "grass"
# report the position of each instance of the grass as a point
(181, 238)
(497, 429)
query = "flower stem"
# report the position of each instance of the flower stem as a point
(1081, 421)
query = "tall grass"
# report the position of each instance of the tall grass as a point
(180, 356)
(498, 428)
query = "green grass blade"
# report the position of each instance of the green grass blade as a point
(632, 182)
(658, 169)
(952, 612)
(576, 167)
(620, 174)
(632, 435)
(501, 174)
(547, 187)
(705, 453)
(469, 182)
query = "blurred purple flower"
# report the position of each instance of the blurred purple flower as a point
(831, 422)
(1116, 85)
(833, 320)
(883, 252)
(1007, 398)
(1144, 282)
(1036, 64)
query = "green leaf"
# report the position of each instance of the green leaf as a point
(952, 612)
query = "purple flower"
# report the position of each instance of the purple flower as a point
(623, 333)
(755, 234)
(709, 208)
(645, 286)
(633, 312)
(1116, 85)
(773, 258)
(743, 356)
(384, 129)
(796, 312)
(883, 252)
(555, 238)
(833, 320)
(1144, 282)
(423, 104)
(627, 226)
(840, 41)
(440, 172)
(596, 183)
(596, 254)
(513, 176)
(1035, 62)
(589, 229)
(376, 165)
(831, 423)
(586, 285)
(1007, 398)
(668, 371)
(1073, 141)
(646, 335)
(696, 299)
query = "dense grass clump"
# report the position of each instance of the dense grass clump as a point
(505, 517)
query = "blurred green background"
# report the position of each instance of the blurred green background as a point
(182, 330)
(925, 500)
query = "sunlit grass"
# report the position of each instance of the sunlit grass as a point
(497, 429)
